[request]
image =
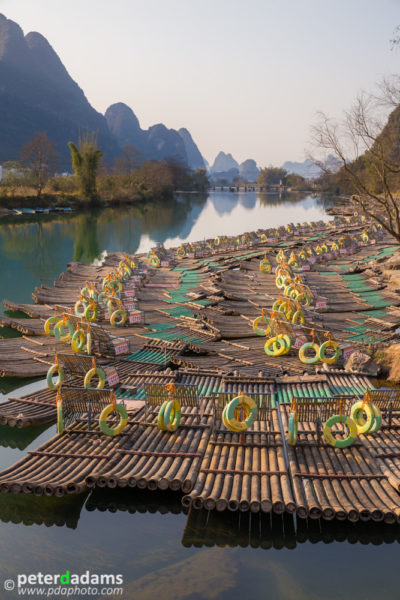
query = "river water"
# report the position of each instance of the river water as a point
(159, 550)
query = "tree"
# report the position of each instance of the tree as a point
(157, 178)
(180, 173)
(40, 156)
(366, 143)
(271, 176)
(15, 175)
(85, 162)
(295, 181)
(200, 180)
(128, 162)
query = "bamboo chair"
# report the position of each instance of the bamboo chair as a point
(318, 410)
(156, 394)
(83, 405)
(265, 405)
(387, 400)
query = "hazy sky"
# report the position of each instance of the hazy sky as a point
(245, 77)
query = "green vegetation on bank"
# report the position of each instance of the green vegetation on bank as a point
(33, 180)
(272, 177)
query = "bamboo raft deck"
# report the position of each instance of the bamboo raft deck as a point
(339, 483)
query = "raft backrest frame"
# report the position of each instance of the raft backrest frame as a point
(319, 410)
(387, 400)
(157, 393)
(75, 364)
(101, 341)
(83, 404)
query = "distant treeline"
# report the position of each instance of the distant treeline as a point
(127, 180)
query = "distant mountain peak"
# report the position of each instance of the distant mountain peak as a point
(248, 170)
(33, 38)
(38, 94)
(224, 162)
(195, 159)
(308, 169)
(157, 142)
(12, 42)
(120, 115)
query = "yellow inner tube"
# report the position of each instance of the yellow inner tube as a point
(362, 414)
(50, 321)
(49, 378)
(78, 341)
(121, 411)
(329, 360)
(92, 373)
(340, 443)
(238, 407)
(118, 318)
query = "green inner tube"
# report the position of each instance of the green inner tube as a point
(309, 360)
(233, 404)
(63, 332)
(275, 346)
(118, 318)
(49, 377)
(377, 419)
(91, 312)
(77, 308)
(330, 360)
(172, 415)
(340, 443)
(119, 409)
(51, 321)
(363, 416)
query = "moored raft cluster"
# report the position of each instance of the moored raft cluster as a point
(187, 398)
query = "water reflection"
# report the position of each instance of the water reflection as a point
(278, 531)
(132, 501)
(33, 247)
(86, 245)
(224, 202)
(248, 201)
(20, 439)
(37, 248)
(32, 510)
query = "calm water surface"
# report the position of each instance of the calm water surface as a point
(162, 552)
(36, 249)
